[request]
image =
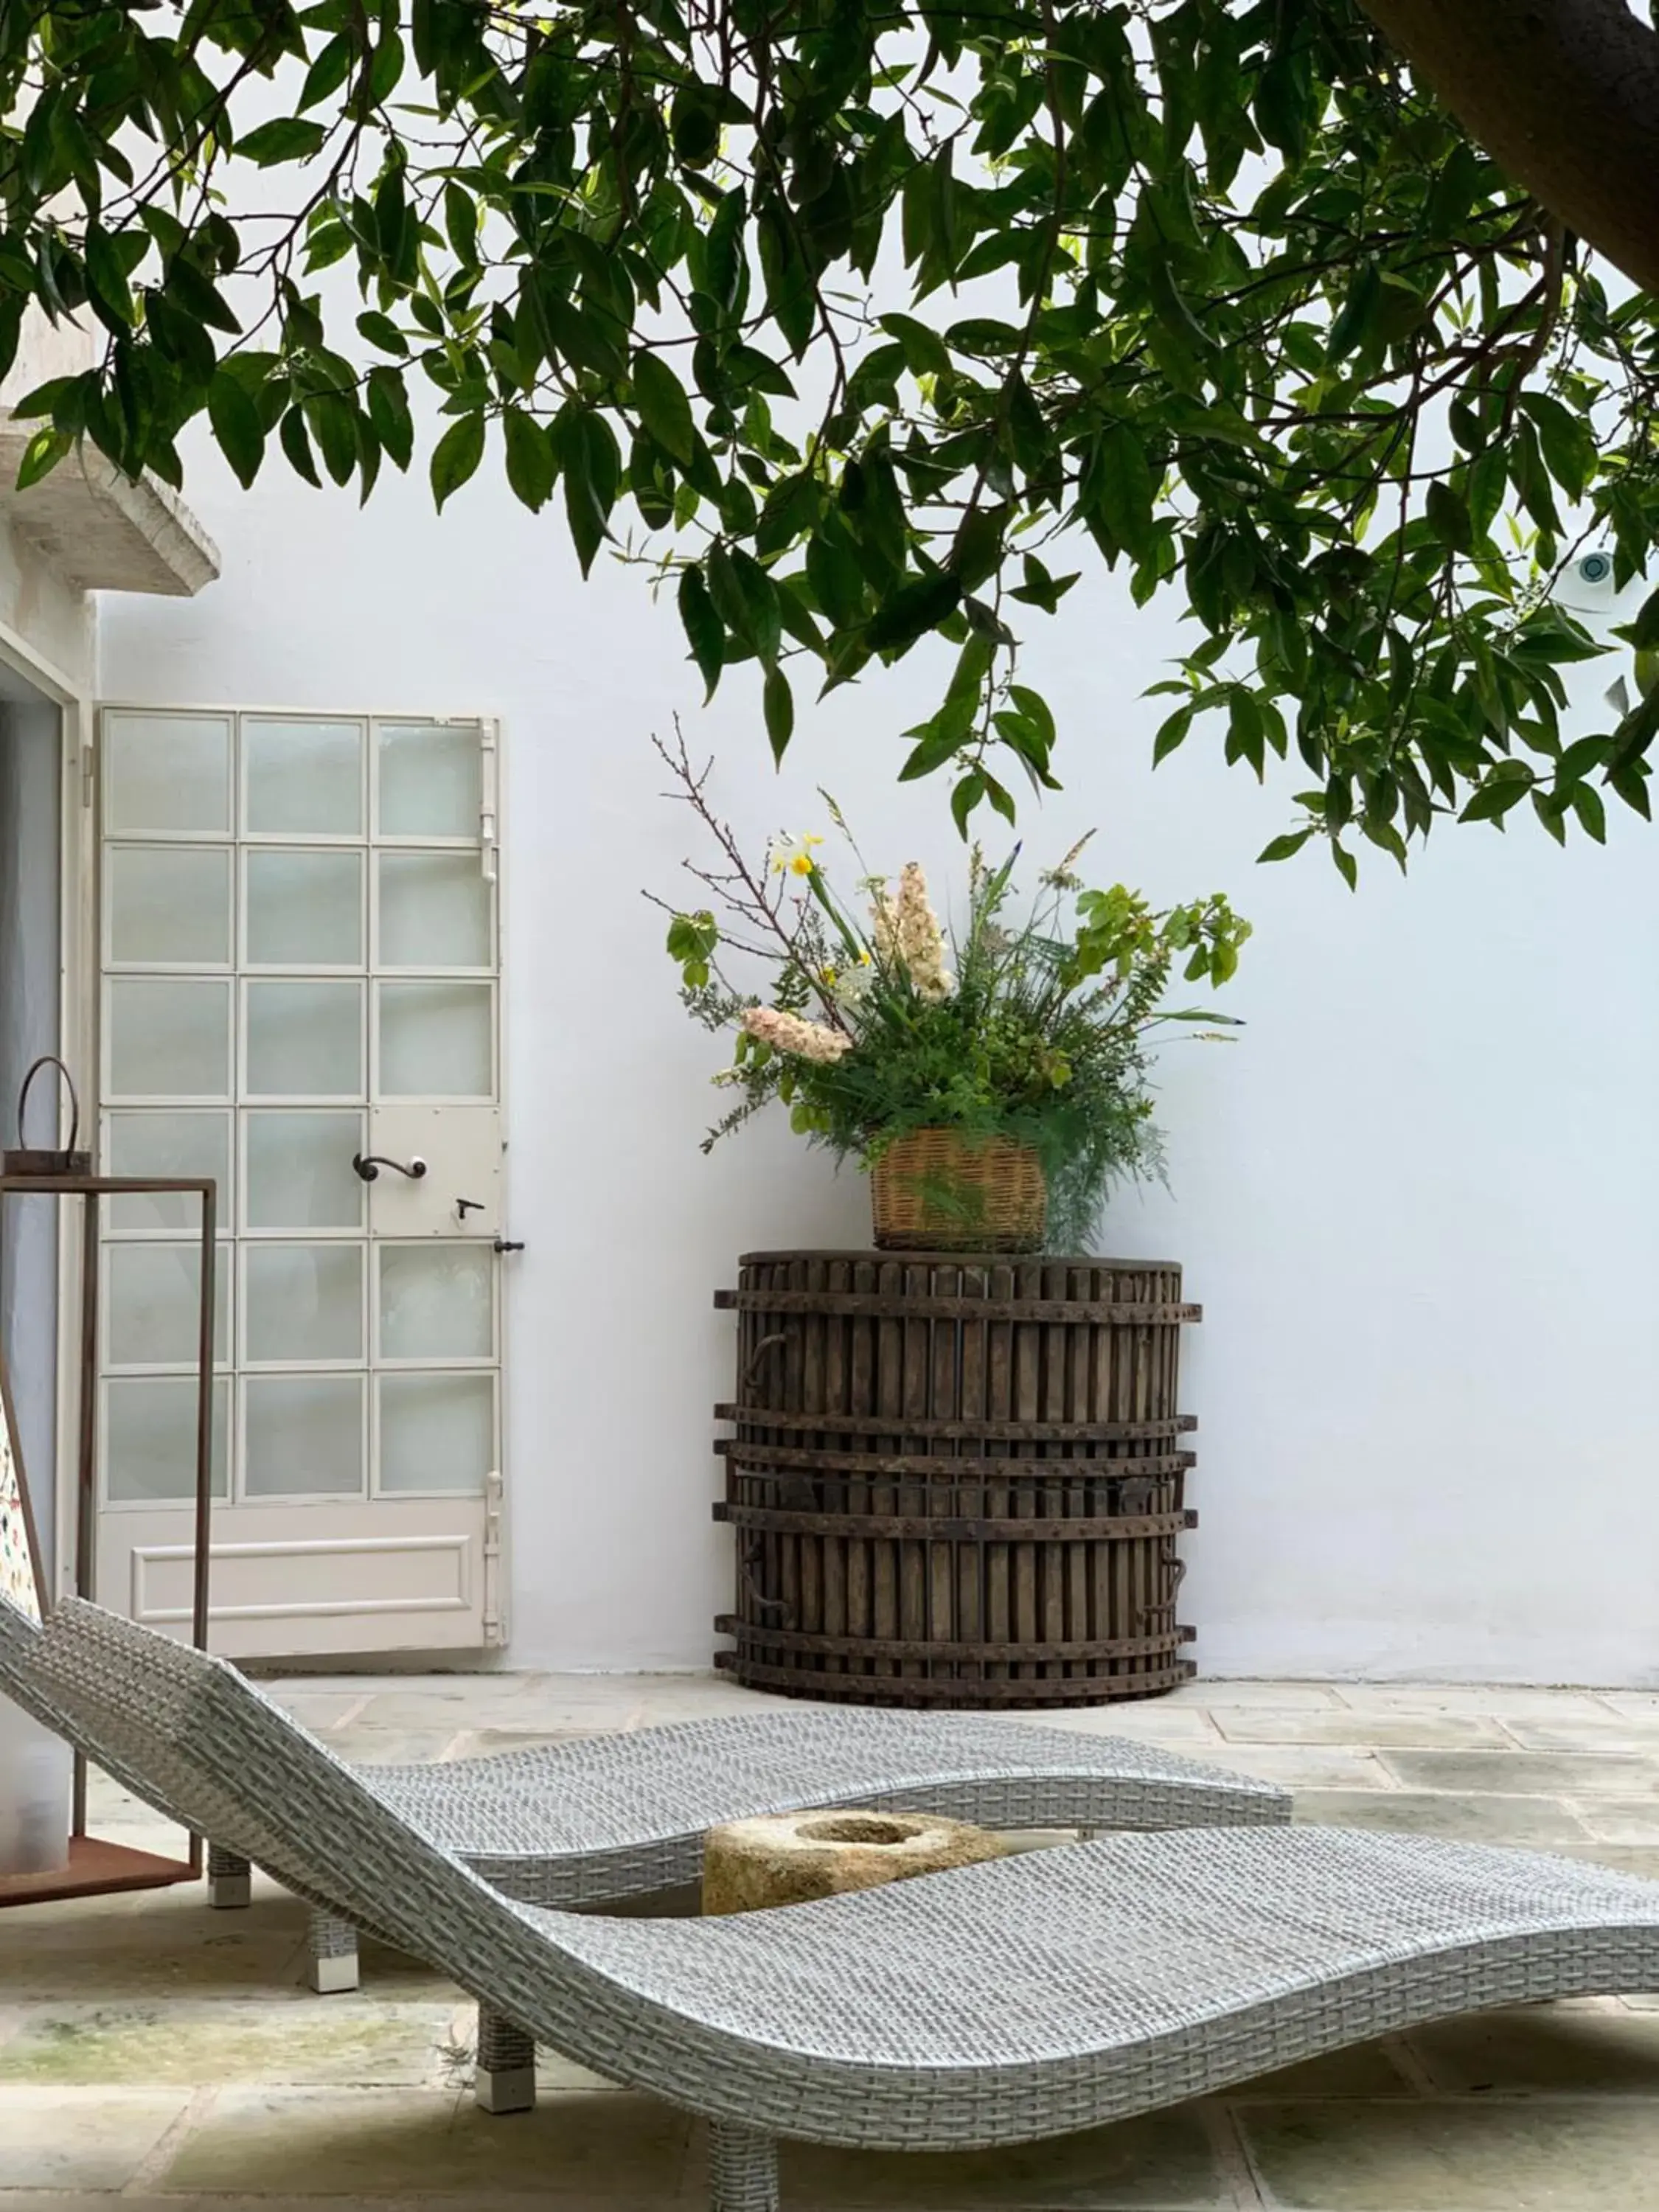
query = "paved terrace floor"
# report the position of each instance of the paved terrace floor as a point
(153, 2051)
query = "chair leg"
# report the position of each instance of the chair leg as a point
(333, 1955)
(230, 1879)
(742, 2169)
(505, 2079)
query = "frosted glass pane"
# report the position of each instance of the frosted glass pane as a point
(435, 1041)
(305, 909)
(299, 1171)
(431, 779)
(165, 772)
(168, 1145)
(303, 1301)
(170, 904)
(304, 1435)
(155, 1311)
(304, 1040)
(304, 779)
(435, 911)
(437, 1432)
(149, 1437)
(436, 1302)
(168, 1038)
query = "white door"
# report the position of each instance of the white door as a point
(301, 997)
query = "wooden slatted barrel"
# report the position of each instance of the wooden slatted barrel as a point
(956, 1481)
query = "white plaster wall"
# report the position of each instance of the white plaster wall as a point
(1417, 1198)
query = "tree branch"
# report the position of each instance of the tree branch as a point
(1563, 94)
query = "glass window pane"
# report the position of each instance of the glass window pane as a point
(149, 1437)
(431, 779)
(170, 903)
(168, 1038)
(165, 772)
(305, 1435)
(437, 1432)
(304, 1040)
(436, 1302)
(304, 778)
(435, 1041)
(303, 1301)
(300, 1174)
(305, 909)
(167, 1144)
(155, 1311)
(435, 911)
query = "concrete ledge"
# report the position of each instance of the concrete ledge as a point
(100, 530)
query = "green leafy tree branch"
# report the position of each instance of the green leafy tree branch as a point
(863, 325)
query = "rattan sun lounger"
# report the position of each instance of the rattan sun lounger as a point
(604, 1818)
(997, 2004)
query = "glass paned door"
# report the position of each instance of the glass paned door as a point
(300, 997)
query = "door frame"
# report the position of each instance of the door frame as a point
(77, 1022)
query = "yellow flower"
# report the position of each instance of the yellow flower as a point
(826, 975)
(794, 856)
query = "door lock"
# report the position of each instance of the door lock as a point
(506, 1244)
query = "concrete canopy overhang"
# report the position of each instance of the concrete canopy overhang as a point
(102, 530)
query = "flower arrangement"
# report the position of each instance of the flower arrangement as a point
(871, 1024)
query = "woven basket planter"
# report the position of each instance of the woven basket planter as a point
(939, 1191)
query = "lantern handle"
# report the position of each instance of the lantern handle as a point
(50, 1059)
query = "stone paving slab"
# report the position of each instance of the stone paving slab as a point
(1540, 1823)
(1502, 1701)
(1482, 2155)
(349, 2039)
(1615, 1732)
(1425, 1730)
(1620, 1820)
(1608, 2050)
(1168, 2160)
(68, 2138)
(1526, 1773)
(597, 2148)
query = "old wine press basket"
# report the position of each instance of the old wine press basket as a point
(956, 1480)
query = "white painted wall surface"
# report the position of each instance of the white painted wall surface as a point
(1418, 1198)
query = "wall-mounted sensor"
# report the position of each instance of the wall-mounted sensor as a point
(1587, 588)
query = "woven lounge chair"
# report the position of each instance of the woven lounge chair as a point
(993, 2004)
(605, 1818)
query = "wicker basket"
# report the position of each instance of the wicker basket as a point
(939, 1191)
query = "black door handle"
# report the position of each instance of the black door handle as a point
(368, 1166)
(466, 1206)
(506, 1244)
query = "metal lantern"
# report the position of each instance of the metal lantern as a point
(66, 1172)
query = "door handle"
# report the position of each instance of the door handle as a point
(466, 1206)
(368, 1166)
(506, 1244)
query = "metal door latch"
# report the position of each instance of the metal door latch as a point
(507, 1244)
(466, 1206)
